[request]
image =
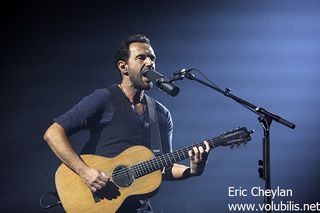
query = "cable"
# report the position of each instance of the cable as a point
(55, 195)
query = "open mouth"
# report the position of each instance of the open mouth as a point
(144, 75)
(145, 79)
(143, 72)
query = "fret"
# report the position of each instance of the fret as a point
(134, 171)
(156, 166)
(174, 157)
(157, 163)
(184, 154)
(135, 167)
(178, 155)
(144, 168)
(164, 157)
(168, 159)
(161, 162)
(153, 165)
(148, 167)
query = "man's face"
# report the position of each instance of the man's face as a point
(141, 58)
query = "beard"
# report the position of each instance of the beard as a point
(138, 83)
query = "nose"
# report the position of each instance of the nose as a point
(149, 63)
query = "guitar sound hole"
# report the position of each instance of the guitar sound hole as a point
(122, 176)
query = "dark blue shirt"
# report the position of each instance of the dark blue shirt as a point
(97, 109)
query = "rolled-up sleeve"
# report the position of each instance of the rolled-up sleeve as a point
(88, 111)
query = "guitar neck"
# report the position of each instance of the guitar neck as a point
(168, 159)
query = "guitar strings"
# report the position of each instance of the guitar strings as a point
(147, 167)
(144, 167)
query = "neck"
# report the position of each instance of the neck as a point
(134, 95)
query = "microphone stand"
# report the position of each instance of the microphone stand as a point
(265, 118)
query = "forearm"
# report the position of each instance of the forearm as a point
(177, 172)
(60, 145)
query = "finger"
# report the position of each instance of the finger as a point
(100, 183)
(93, 189)
(196, 157)
(208, 148)
(191, 155)
(103, 177)
(196, 152)
(201, 150)
(96, 186)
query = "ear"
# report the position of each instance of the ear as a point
(123, 67)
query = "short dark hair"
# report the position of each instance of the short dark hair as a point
(123, 52)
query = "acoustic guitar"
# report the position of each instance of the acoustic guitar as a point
(136, 171)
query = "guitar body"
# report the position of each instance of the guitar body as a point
(133, 172)
(76, 196)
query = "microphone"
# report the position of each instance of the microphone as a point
(162, 82)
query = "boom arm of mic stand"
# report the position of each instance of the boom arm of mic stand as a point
(258, 110)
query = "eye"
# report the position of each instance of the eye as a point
(142, 57)
(152, 57)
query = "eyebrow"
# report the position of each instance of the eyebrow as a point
(153, 57)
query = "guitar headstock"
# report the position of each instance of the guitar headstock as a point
(236, 137)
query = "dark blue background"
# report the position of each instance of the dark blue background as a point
(268, 52)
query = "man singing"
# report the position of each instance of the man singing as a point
(118, 118)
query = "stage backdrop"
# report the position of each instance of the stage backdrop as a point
(267, 52)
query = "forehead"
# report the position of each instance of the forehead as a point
(137, 48)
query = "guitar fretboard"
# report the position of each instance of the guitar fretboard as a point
(168, 159)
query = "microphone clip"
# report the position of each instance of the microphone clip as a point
(181, 74)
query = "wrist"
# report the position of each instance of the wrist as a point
(81, 168)
(189, 173)
(196, 169)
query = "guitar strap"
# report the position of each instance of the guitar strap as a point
(155, 139)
